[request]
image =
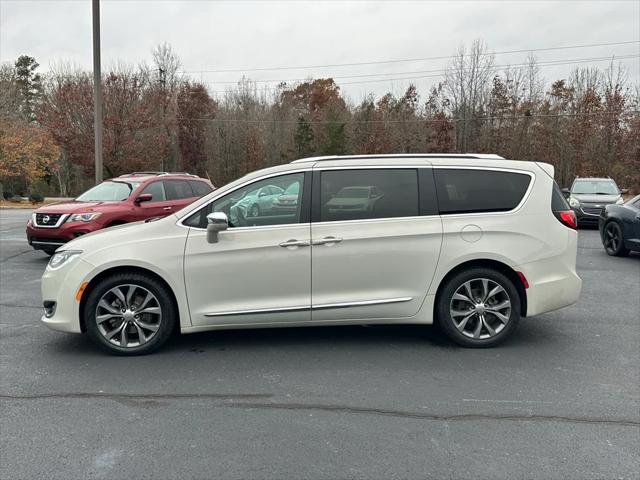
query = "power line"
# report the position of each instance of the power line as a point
(550, 63)
(424, 120)
(380, 62)
(441, 70)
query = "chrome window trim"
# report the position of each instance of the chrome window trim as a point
(322, 306)
(319, 167)
(248, 182)
(60, 221)
(374, 220)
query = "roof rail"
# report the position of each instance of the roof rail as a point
(133, 174)
(487, 156)
(179, 173)
(142, 173)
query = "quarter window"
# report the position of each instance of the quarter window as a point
(262, 203)
(363, 194)
(473, 191)
(200, 189)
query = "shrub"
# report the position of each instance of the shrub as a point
(36, 197)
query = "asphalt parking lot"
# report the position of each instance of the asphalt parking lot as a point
(560, 400)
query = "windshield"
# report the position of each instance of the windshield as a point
(595, 187)
(108, 191)
(353, 192)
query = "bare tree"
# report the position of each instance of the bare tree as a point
(467, 81)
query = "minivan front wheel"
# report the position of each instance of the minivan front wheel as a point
(478, 307)
(130, 314)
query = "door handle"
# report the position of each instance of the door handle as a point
(326, 241)
(295, 243)
(166, 208)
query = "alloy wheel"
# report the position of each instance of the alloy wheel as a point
(612, 238)
(128, 315)
(480, 308)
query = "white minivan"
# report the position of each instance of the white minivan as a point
(469, 242)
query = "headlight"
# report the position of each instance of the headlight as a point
(573, 202)
(61, 258)
(84, 217)
(620, 201)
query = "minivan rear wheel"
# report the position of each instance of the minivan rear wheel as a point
(130, 314)
(479, 307)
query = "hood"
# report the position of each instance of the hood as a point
(120, 234)
(74, 206)
(590, 198)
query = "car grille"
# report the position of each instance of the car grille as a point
(47, 219)
(592, 210)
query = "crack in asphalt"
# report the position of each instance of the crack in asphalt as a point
(19, 306)
(5, 260)
(155, 400)
(435, 417)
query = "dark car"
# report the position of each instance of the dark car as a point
(588, 197)
(125, 199)
(620, 227)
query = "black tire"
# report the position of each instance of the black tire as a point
(444, 306)
(163, 297)
(49, 252)
(255, 210)
(613, 240)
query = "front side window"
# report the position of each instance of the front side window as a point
(475, 191)
(111, 191)
(257, 204)
(156, 189)
(365, 194)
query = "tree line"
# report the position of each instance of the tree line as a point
(157, 119)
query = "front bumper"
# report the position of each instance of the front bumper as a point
(43, 238)
(587, 215)
(61, 286)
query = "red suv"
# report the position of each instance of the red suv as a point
(128, 198)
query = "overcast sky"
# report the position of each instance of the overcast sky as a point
(219, 35)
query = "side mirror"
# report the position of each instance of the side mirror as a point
(145, 197)
(216, 223)
(624, 191)
(566, 192)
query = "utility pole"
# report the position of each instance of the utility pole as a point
(97, 90)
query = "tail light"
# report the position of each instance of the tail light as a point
(568, 218)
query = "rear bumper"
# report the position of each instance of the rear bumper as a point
(553, 282)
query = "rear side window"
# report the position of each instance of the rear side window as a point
(362, 194)
(177, 189)
(474, 191)
(200, 189)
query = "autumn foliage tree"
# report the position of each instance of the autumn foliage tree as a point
(157, 119)
(26, 150)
